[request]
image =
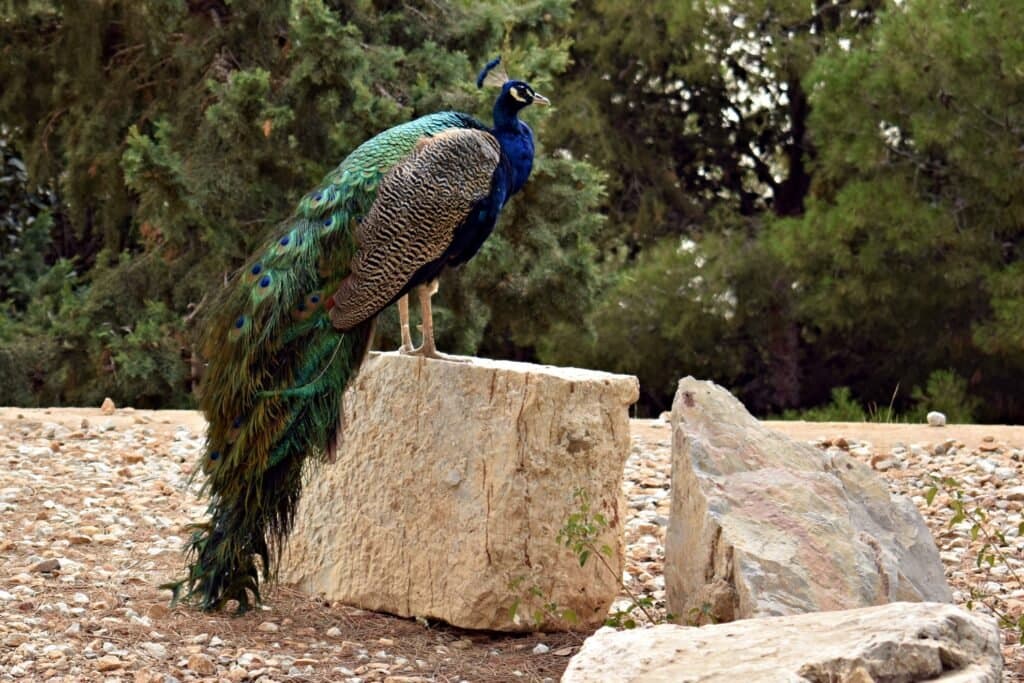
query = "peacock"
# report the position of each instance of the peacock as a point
(293, 326)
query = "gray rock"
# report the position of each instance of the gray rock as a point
(895, 642)
(762, 525)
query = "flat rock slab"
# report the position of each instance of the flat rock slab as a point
(451, 485)
(762, 525)
(895, 643)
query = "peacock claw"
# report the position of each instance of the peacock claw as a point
(431, 353)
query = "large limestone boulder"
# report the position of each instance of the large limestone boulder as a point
(451, 485)
(762, 525)
(896, 643)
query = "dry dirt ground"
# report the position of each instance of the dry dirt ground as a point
(93, 513)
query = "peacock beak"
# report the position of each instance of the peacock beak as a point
(540, 99)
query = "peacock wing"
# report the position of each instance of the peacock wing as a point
(420, 204)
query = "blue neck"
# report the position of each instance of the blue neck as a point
(516, 141)
(506, 114)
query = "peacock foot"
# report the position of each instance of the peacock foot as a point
(432, 353)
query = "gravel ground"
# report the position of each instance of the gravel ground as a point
(92, 518)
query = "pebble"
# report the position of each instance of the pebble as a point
(936, 419)
(109, 663)
(201, 664)
(155, 650)
(47, 566)
(237, 673)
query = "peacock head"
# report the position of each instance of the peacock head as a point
(515, 95)
(519, 94)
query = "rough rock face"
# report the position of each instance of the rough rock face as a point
(451, 484)
(896, 643)
(762, 525)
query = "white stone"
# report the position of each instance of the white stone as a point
(390, 527)
(936, 419)
(763, 525)
(895, 642)
(155, 650)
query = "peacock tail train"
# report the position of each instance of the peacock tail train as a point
(276, 371)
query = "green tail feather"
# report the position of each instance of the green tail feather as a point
(276, 372)
(253, 503)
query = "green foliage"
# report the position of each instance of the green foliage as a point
(713, 308)
(698, 105)
(54, 352)
(946, 392)
(25, 223)
(860, 161)
(909, 251)
(783, 196)
(842, 408)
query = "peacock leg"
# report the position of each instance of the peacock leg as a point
(428, 349)
(426, 292)
(403, 320)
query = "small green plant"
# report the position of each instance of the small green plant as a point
(582, 534)
(626, 617)
(991, 552)
(541, 609)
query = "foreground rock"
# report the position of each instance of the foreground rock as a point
(762, 525)
(900, 642)
(450, 487)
